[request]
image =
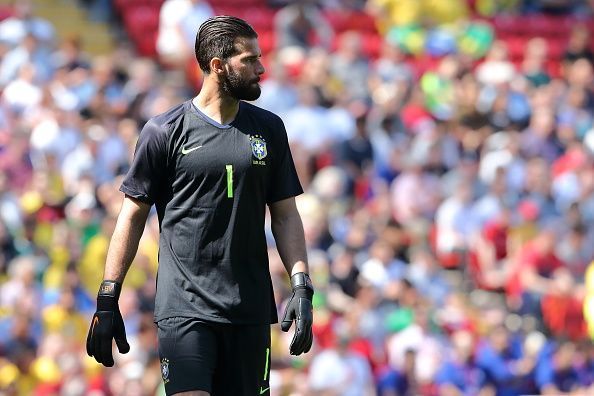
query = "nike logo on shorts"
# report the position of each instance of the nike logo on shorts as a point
(262, 391)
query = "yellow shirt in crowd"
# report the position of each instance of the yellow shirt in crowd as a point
(393, 13)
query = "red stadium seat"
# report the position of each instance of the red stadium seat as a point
(556, 47)
(372, 44)
(505, 35)
(261, 18)
(224, 10)
(546, 25)
(141, 18)
(119, 5)
(238, 3)
(342, 21)
(516, 31)
(424, 63)
(5, 12)
(146, 44)
(267, 41)
(516, 47)
(123, 5)
(363, 21)
(589, 24)
(554, 68)
(510, 25)
(142, 24)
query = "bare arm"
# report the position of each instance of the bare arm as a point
(125, 238)
(287, 229)
(535, 283)
(550, 389)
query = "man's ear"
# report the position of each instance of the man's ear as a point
(217, 66)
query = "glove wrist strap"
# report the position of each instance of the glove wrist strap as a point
(301, 280)
(110, 289)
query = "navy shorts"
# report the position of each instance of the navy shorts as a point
(222, 359)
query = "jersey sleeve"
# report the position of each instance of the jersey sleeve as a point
(147, 172)
(285, 182)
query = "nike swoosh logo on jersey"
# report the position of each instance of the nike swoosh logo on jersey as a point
(262, 391)
(187, 151)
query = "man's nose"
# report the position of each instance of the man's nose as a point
(260, 69)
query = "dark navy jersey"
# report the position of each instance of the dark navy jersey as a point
(210, 184)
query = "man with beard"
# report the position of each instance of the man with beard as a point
(210, 166)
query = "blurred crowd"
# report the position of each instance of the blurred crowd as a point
(449, 210)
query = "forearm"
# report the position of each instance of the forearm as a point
(535, 283)
(124, 242)
(287, 229)
(107, 323)
(550, 390)
(290, 242)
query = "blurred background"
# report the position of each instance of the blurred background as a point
(447, 153)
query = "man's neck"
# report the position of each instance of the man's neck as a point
(221, 108)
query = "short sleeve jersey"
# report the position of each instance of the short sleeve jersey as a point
(210, 184)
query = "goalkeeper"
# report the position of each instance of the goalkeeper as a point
(210, 166)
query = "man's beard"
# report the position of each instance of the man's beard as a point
(240, 89)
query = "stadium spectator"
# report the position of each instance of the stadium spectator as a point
(534, 62)
(399, 381)
(279, 93)
(174, 42)
(340, 370)
(555, 371)
(27, 52)
(460, 373)
(296, 22)
(496, 69)
(350, 66)
(414, 334)
(508, 367)
(23, 22)
(453, 220)
(577, 45)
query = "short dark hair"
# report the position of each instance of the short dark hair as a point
(216, 36)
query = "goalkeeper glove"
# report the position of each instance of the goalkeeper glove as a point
(299, 308)
(107, 324)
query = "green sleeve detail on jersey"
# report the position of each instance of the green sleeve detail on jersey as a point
(229, 181)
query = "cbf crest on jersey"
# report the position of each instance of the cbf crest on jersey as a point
(259, 149)
(165, 370)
